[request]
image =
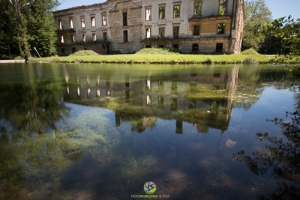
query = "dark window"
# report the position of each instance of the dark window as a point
(221, 28)
(175, 46)
(73, 49)
(148, 46)
(125, 36)
(161, 46)
(62, 50)
(104, 35)
(124, 18)
(219, 47)
(195, 47)
(196, 30)
(175, 31)
(161, 31)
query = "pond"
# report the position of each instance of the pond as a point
(90, 131)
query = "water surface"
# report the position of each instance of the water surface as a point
(74, 131)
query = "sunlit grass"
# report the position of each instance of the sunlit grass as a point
(167, 56)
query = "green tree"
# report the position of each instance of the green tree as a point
(282, 36)
(25, 23)
(256, 13)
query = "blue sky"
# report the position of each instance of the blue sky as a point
(279, 8)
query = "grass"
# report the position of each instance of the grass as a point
(168, 56)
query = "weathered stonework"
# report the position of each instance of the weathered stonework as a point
(198, 26)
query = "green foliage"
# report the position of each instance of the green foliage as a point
(251, 52)
(84, 53)
(27, 24)
(157, 51)
(282, 36)
(256, 13)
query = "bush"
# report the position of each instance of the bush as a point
(250, 51)
(85, 53)
(158, 51)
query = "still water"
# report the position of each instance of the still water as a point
(75, 131)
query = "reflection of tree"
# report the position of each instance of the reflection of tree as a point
(33, 107)
(248, 90)
(282, 157)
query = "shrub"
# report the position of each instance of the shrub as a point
(84, 53)
(158, 51)
(250, 51)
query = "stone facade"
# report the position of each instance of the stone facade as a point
(192, 26)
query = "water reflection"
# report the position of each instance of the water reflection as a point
(57, 141)
(202, 98)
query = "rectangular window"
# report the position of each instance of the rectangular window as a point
(148, 14)
(93, 21)
(175, 46)
(104, 35)
(175, 32)
(62, 50)
(219, 47)
(197, 8)
(71, 23)
(161, 32)
(82, 22)
(222, 7)
(83, 37)
(125, 36)
(176, 11)
(104, 22)
(196, 30)
(161, 11)
(72, 38)
(62, 39)
(195, 48)
(148, 46)
(124, 18)
(221, 28)
(73, 49)
(94, 36)
(148, 32)
(60, 24)
(161, 46)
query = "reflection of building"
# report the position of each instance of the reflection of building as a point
(127, 26)
(203, 99)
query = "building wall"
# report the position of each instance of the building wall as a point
(208, 40)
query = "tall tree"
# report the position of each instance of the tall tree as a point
(256, 13)
(25, 21)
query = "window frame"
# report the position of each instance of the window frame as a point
(199, 8)
(176, 35)
(221, 29)
(149, 16)
(198, 30)
(162, 11)
(174, 13)
(104, 20)
(82, 22)
(148, 30)
(93, 21)
(125, 36)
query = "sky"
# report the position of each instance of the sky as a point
(279, 8)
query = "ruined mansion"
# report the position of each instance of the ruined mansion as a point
(192, 26)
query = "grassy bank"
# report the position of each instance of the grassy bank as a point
(165, 56)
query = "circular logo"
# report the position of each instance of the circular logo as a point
(149, 187)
